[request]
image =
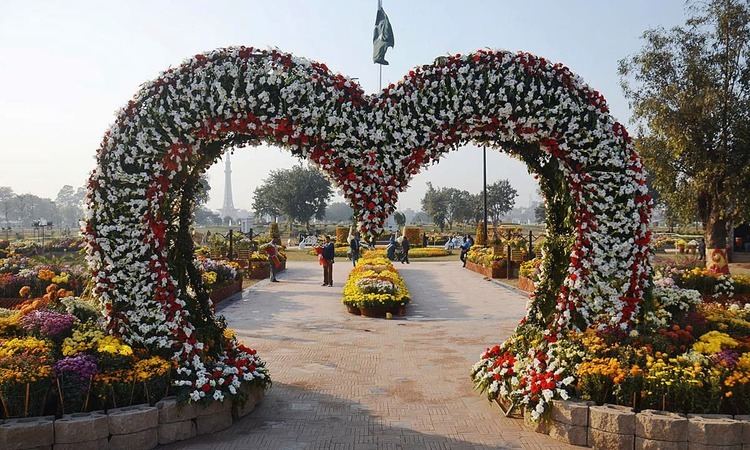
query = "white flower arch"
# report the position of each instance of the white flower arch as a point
(370, 145)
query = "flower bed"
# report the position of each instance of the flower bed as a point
(495, 270)
(259, 270)
(56, 358)
(528, 274)
(375, 287)
(19, 273)
(690, 353)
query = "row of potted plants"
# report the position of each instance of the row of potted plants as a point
(375, 287)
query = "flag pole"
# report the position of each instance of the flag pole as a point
(380, 66)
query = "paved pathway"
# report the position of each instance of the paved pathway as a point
(348, 382)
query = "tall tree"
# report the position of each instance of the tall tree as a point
(299, 193)
(7, 196)
(689, 90)
(435, 204)
(501, 197)
(69, 202)
(477, 208)
(460, 206)
(202, 191)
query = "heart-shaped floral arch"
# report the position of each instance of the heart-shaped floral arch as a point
(141, 193)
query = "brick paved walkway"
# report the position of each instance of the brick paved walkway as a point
(347, 382)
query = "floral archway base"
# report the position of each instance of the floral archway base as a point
(141, 193)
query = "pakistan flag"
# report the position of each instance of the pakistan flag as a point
(382, 37)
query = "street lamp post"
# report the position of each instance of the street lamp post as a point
(484, 170)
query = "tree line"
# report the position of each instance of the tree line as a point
(448, 206)
(22, 210)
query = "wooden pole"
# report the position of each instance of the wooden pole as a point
(508, 268)
(531, 244)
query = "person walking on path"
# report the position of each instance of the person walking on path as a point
(327, 260)
(273, 259)
(701, 249)
(354, 248)
(465, 247)
(405, 250)
(424, 240)
(390, 251)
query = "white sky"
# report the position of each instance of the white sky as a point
(66, 66)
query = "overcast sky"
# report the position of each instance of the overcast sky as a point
(66, 66)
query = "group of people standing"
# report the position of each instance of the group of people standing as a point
(398, 249)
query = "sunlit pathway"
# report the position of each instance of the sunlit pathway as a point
(346, 382)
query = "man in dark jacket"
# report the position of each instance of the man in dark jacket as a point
(405, 250)
(354, 248)
(328, 253)
(465, 247)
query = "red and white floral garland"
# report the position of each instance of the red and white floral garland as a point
(370, 146)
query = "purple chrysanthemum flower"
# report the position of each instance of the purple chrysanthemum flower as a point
(726, 358)
(82, 367)
(48, 323)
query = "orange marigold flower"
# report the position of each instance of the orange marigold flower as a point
(24, 292)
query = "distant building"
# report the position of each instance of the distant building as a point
(228, 210)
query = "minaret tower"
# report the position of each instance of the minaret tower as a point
(228, 209)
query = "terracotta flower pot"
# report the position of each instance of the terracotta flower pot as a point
(353, 309)
(372, 312)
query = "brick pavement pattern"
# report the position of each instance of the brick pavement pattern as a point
(347, 382)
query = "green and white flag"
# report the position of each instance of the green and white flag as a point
(382, 37)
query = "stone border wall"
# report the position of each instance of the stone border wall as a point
(615, 427)
(138, 427)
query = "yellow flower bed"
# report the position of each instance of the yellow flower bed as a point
(374, 268)
(714, 342)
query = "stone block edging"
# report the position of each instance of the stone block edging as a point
(138, 427)
(618, 427)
